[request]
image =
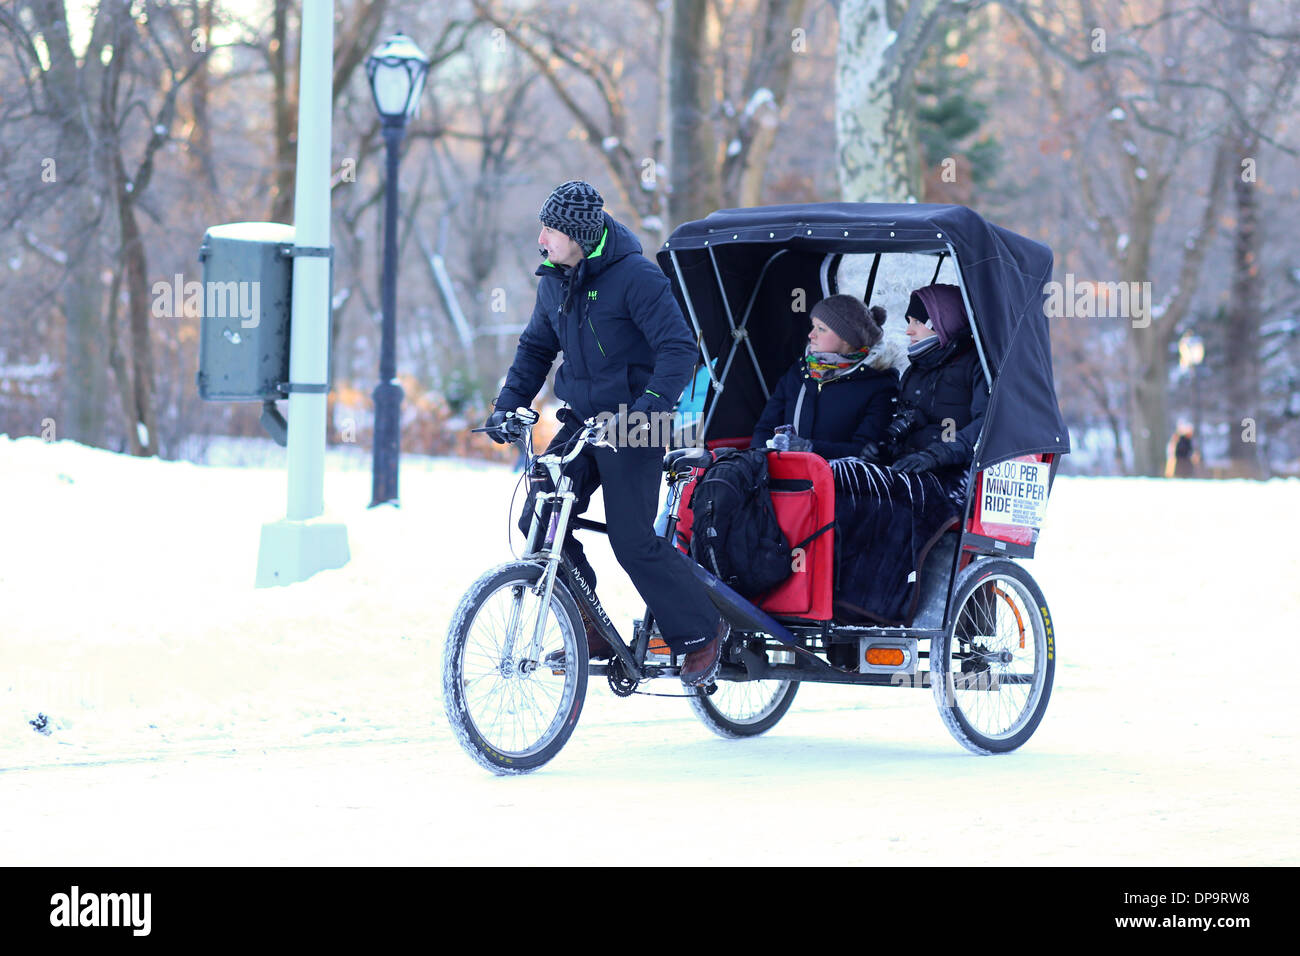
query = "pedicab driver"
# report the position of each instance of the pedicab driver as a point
(627, 348)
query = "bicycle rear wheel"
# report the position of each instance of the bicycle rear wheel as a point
(746, 708)
(992, 671)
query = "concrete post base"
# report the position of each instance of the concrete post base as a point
(292, 551)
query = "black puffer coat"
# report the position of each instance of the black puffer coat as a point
(613, 315)
(947, 385)
(840, 415)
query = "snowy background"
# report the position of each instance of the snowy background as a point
(193, 719)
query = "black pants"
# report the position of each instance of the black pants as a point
(630, 477)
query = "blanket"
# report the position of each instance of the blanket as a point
(885, 524)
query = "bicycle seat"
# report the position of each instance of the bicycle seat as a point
(682, 458)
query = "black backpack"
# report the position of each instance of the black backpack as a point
(735, 534)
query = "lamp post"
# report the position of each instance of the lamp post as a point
(396, 71)
(1191, 353)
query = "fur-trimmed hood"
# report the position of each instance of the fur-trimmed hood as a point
(887, 353)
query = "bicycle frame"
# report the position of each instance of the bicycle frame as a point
(545, 543)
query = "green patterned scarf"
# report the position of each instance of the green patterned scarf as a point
(824, 366)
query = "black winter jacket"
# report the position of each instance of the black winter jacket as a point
(946, 383)
(841, 415)
(613, 315)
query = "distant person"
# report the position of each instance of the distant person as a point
(840, 394)
(1182, 460)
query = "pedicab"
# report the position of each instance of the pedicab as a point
(977, 631)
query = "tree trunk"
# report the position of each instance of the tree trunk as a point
(71, 93)
(1241, 345)
(85, 371)
(767, 83)
(1148, 399)
(117, 360)
(284, 109)
(200, 133)
(879, 47)
(693, 167)
(141, 418)
(1148, 407)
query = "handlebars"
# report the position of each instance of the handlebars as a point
(517, 427)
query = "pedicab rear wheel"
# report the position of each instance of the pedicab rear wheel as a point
(744, 708)
(510, 710)
(992, 671)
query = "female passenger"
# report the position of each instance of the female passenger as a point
(841, 392)
(894, 502)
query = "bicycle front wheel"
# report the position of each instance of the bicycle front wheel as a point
(509, 708)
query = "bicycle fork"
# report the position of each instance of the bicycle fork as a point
(561, 501)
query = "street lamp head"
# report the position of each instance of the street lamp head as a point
(396, 71)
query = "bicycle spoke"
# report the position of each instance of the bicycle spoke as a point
(511, 698)
(997, 696)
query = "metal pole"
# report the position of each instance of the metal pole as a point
(309, 338)
(388, 393)
(303, 543)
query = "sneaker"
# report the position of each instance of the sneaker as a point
(701, 666)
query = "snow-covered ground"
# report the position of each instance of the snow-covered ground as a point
(193, 719)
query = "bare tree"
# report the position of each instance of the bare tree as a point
(1143, 107)
(1261, 81)
(114, 108)
(723, 109)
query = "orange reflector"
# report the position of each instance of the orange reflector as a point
(1014, 610)
(885, 656)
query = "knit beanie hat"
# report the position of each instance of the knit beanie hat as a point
(848, 317)
(916, 309)
(574, 208)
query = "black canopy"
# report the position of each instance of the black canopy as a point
(737, 272)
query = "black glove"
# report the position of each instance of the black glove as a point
(873, 452)
(923, 460)
(649, 403)
(496, 425)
